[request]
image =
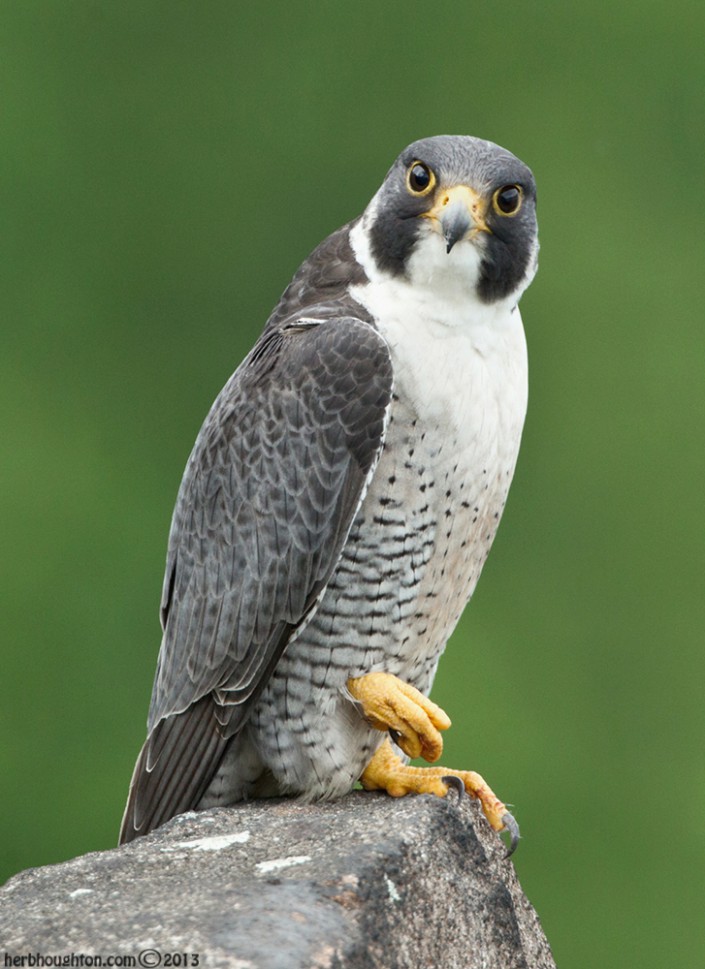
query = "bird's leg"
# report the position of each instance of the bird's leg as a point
(387, 772)
(388, 704)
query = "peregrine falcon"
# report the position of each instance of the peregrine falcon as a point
(341, 499)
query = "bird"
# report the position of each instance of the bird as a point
(340, 501)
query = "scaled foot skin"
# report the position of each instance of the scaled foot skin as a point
(415, 722)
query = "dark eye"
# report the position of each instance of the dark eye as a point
(420, 178)
(507, 200)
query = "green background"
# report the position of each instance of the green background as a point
(165, 167)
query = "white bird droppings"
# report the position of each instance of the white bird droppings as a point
(276, 864)
(392, 889)
(214, 843)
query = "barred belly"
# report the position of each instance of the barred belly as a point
(413, 558)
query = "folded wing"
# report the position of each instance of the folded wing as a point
(270, 491)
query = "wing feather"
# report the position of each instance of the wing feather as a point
(264, 509)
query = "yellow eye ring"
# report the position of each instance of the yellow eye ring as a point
(420, 179)
(506, 201)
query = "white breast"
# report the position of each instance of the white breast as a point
(461, 362)
(460, 385)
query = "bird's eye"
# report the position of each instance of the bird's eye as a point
(420, 179)
(507, 200)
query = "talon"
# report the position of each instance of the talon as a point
(413, 721)
(387, 772)
(452, 781)
(512, 828)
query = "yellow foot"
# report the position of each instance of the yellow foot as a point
(387, 772)
(390, 704)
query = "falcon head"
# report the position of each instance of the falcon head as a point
(455, 208)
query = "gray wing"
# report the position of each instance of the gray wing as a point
(265, 506)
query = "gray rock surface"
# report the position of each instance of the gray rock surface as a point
(367, 882)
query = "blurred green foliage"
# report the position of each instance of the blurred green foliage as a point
(165, 167)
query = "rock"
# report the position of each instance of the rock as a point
(367, 882)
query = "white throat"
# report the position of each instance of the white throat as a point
(440, 288)
(447, 345)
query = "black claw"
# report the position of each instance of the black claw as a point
(396, 736)
(452, 781)
(512, 828)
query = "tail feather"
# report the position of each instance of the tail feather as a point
(174, 767)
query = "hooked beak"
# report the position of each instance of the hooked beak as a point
(459, 212)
